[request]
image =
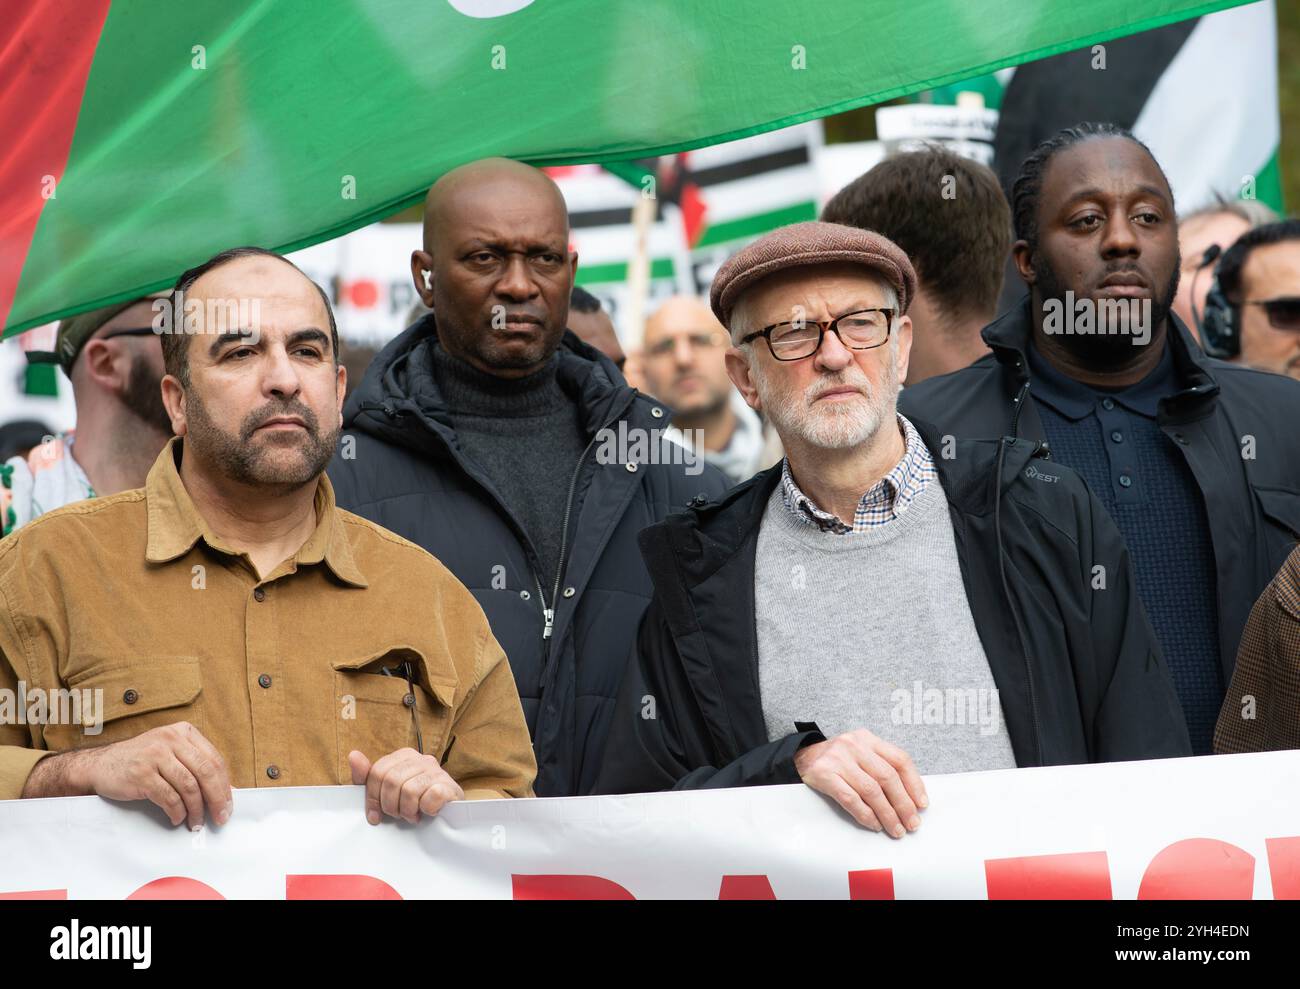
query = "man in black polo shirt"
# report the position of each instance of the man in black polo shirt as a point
(1197, 461)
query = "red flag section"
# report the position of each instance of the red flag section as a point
(44, 65)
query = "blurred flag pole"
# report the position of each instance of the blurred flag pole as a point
(638, 271)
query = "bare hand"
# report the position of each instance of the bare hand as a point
(874, 781)
(403, 784)
(173, 766)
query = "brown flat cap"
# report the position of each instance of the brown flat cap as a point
(810, 243)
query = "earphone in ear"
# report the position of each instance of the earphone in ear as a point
(428, 278)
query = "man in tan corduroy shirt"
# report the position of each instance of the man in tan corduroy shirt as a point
(1261, 712)
(227, 624)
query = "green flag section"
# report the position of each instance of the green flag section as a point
(140, 138)
(1227, 69)
(41, 379)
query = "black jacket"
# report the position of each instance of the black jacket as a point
(1078, 671)
(1238, 428)
(399, 465)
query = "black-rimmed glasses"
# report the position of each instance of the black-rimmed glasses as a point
(861, 329)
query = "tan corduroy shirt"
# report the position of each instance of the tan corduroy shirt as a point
(129, 609)
(1261, 712)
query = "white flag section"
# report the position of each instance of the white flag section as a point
(742, 190)
(367, 276)
(1225, 76)
(1218, 827)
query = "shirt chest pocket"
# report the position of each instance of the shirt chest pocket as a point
(380, 713)
(122, 698)
(1281, 507)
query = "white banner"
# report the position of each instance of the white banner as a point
(1221, 827)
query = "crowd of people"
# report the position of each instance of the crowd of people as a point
(913, 535)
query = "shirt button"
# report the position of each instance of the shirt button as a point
(409, 700)
(1125, 481)
(259, 594)
(1117, 436)
(264, 680)
(130, 696)
(1107, 404)
(273, 772)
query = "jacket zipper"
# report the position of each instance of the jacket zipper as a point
(549, 613)
(1021, 399)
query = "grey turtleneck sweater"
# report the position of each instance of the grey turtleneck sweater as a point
(526, 434)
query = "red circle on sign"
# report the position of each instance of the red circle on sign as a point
(363, 294)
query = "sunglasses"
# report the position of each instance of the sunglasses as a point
(1283, 314)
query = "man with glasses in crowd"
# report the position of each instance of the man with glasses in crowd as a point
(114, 360)
(1203, 235)
(887, 601)
(685, 367)
(1259, 278)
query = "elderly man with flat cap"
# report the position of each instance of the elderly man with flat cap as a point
(887, 602)
(114, 360)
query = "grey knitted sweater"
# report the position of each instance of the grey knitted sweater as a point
(872, 629)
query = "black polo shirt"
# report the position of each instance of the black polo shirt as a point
(1113, 439)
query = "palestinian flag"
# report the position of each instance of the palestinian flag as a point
(738, 190)
(1201, 93)
(139, 139)
(707, 203)
(600, 215)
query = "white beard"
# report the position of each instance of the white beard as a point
(831, 426)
